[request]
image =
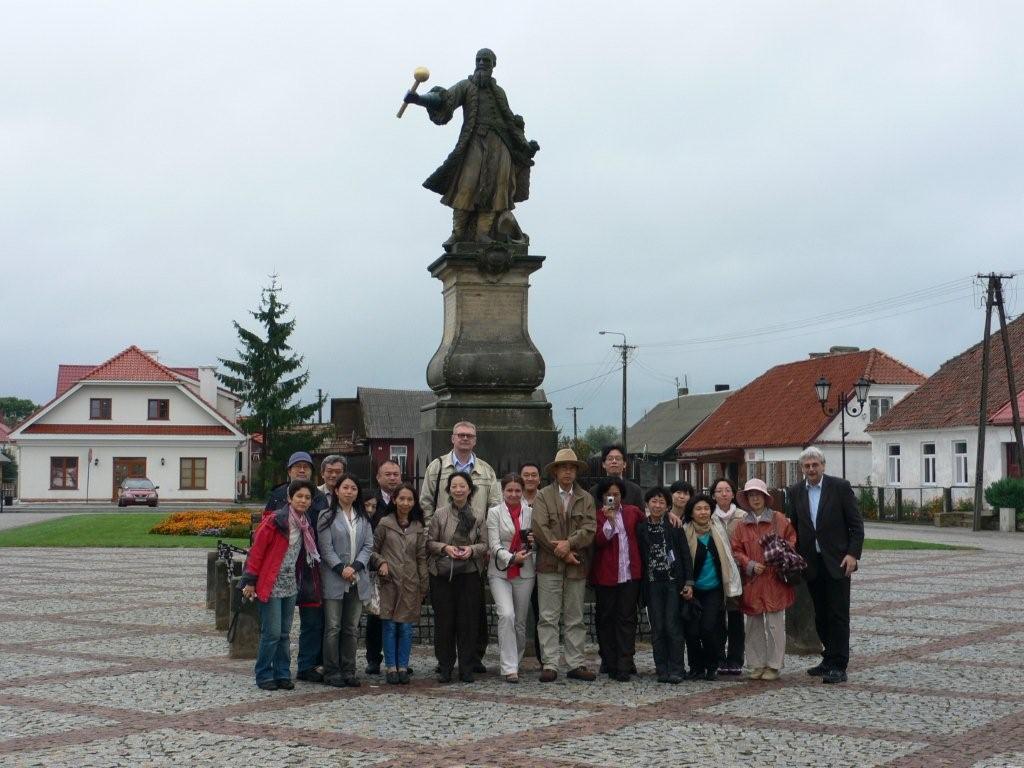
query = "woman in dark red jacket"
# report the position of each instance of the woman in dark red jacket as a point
(615, 576)
(281, 569)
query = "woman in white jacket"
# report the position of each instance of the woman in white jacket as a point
(511, 572)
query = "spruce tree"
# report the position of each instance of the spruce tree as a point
(266, 376)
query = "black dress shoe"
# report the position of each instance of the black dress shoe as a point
(711, 675)
(694, 674)
(674, 680)
(373, 669)
(479, 669)
(335, 681)
(352, 682)
(466, 677)
(621, 677)
(834, 676)
(268, 685)
(285, 685)
(817, 670)
(310, 676)
(444, 677)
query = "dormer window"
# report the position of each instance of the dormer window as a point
(159, 410)
(99, 408)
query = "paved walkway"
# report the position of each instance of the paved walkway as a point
(108, 658)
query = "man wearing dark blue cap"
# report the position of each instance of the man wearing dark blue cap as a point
(311, 618)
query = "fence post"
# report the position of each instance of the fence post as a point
(881, 503)
(898, 498)
(947, 499)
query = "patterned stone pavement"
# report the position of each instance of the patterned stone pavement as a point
(109, 658)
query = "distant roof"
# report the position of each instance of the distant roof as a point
(392, 413)
(952, 396)
(132, 362)
(667, 424)
(780, 408)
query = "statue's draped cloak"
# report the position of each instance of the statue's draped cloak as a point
(489, 169)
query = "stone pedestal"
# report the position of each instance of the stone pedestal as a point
(801, 636)
(1007, 520)
(486, 369)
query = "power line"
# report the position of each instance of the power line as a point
(953, 287)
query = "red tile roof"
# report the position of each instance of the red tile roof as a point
(952, 396)
(69, 374)
(1004, 416)
(131, 364)
(780, 407)
(126, 429)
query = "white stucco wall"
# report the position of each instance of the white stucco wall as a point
(129, 404)
(34, 468)
(912, 458)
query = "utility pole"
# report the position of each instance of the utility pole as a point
(994, 298)
(575, 438)
(320, 406)
(624, 347)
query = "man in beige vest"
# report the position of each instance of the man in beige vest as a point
(564, 522)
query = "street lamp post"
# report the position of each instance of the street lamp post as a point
(844, 405)
(624, 347)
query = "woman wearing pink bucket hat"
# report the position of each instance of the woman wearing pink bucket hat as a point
(765, 595)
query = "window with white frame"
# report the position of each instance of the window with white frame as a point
(879, 406)
(400, 454)
(893, 466)
(960, 474)
(669, 473)
(928, 463)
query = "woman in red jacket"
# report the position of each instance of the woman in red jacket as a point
(765, 596)
(615, 576)
(281, 569)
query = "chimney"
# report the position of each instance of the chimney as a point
(154, 353)
(721, 387)
(833, 350)
(682, 391)
(208, 384)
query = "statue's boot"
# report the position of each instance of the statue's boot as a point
(460, 223)
(484, 221)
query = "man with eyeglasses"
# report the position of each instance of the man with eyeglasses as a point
(487, 494)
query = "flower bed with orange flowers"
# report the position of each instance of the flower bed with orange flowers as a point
(206, 522)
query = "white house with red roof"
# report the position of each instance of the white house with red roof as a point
(930, 439)
(762, 428)
(132, 416)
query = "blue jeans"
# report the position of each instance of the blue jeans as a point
(273, 661)
(397, 637)
(311, 638)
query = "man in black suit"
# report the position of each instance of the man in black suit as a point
(830, 537)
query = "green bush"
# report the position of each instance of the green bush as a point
(932, 505)
(236, 532)
(867, 502)
(1007, 493)
(964, 505)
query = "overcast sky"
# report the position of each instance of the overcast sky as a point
(707, 170)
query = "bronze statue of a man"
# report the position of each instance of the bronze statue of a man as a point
(488, 172)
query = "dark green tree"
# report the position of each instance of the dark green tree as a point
(15, 409)
(601, 435)
(269, 376)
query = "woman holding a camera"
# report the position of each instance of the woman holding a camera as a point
(511, 572)
(615, 576)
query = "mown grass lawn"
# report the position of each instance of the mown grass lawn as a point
(112, 529)
(896, 544)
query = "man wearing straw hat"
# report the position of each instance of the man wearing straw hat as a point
(564, 522)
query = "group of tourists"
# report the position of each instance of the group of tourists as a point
(714, 570)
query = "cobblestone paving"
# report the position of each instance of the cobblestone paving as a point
(109, 658)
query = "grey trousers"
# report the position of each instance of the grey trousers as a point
(341, 634)
(766, 640)
(561, 598)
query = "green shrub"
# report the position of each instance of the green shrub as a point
(237, 531)
(932, 505)
(1007, 493)
(867, 502)
(964, 505)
